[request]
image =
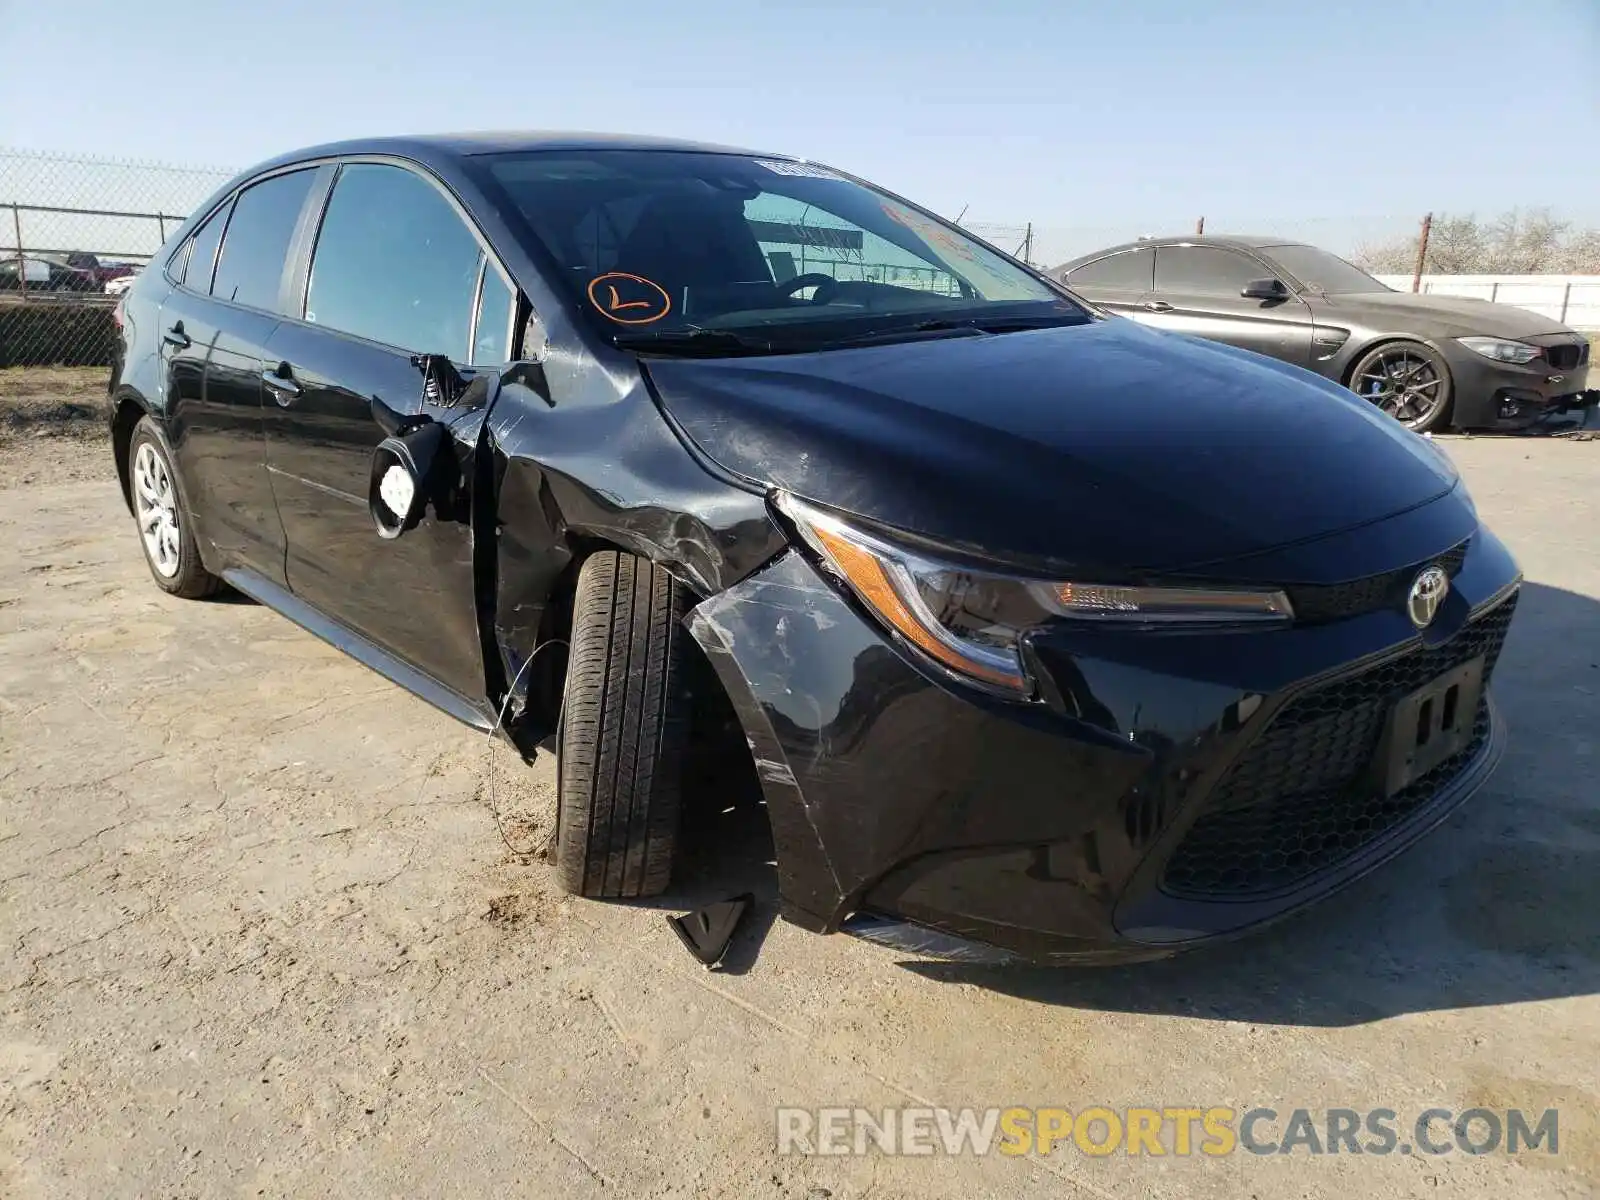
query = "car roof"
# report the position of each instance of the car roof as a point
(1223, 241)
(432, 146)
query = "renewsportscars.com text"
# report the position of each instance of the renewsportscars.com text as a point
(1179, 1131)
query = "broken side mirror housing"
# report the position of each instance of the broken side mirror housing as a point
(402, 468)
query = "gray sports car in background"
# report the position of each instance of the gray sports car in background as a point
(1427, 360)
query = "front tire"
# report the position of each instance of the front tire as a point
(624, 725)
(1407, 380)
(166, 532)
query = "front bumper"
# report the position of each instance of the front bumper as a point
(929, 815)
(1494, 395)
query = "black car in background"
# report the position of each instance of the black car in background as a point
(1427, 360)
(1037, 628)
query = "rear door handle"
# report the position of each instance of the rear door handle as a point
(1157, 306)
(280, 382)
(175, 336)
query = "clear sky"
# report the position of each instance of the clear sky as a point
(1089, 114)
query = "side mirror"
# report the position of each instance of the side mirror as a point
(399, 485)
(1265, 289)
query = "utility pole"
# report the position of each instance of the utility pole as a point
(1200, 227)
(1422, 253)
(1027, 245)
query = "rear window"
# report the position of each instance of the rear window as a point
(256, 247)
(203, 251)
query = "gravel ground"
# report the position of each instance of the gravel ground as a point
(273, 932)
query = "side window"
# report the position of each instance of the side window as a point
(489, 339)
(1204, 269)
(1129, 271)
(203, 250)
(256, 247)
(394, 263)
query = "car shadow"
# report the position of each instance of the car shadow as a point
(725, 850)
(1500, 905)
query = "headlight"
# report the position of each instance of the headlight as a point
(972, 621)
(1500, 349)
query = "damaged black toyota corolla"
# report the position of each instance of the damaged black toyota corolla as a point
(1046, 632)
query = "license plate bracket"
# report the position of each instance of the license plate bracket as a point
(1430, 724)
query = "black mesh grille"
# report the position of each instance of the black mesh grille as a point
(1335, 601)
(1303, 797)
(1566, 357)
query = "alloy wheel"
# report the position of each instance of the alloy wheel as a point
(156, 507)
(1403, 384)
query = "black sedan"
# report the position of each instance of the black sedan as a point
(1427, 360)
(1038, 629)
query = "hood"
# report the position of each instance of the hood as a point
(1444, 316)
(1105, 445)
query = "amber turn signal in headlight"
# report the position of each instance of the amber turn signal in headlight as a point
(971, 622)
(1164, 603)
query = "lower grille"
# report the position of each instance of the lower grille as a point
(1304, 797)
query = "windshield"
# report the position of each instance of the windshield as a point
(1328, 273)
(656, 246)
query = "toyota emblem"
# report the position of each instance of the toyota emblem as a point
(1428, 591)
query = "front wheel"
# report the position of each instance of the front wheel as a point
(624, 724)
(1407, 380)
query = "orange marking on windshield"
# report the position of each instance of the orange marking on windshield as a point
(627, 293)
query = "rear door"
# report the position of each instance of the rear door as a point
(214, 329)
(1197, 291)
(1119, 282)
(396, 271)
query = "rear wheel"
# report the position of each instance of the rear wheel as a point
(624, 724)
(1407, 380)
(165, 530)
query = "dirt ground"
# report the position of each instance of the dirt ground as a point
(263, 934)
(52, 424)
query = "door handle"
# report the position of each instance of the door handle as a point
(280, 382)
(1157, 306)
(175, 336)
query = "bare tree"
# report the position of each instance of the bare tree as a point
(1386, 258)
(1531, 242)
(1458, 246)
(1583, 253)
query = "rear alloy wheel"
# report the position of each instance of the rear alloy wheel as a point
(1408, 381)
(624, 726)
(169, 546)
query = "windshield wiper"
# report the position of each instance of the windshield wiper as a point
(962, 327)
(694, 341)
(1011, 324)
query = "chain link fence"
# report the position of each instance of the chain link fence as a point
(73, 234)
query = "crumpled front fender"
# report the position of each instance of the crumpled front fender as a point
(868, 761)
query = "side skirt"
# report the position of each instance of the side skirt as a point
(359, 648)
